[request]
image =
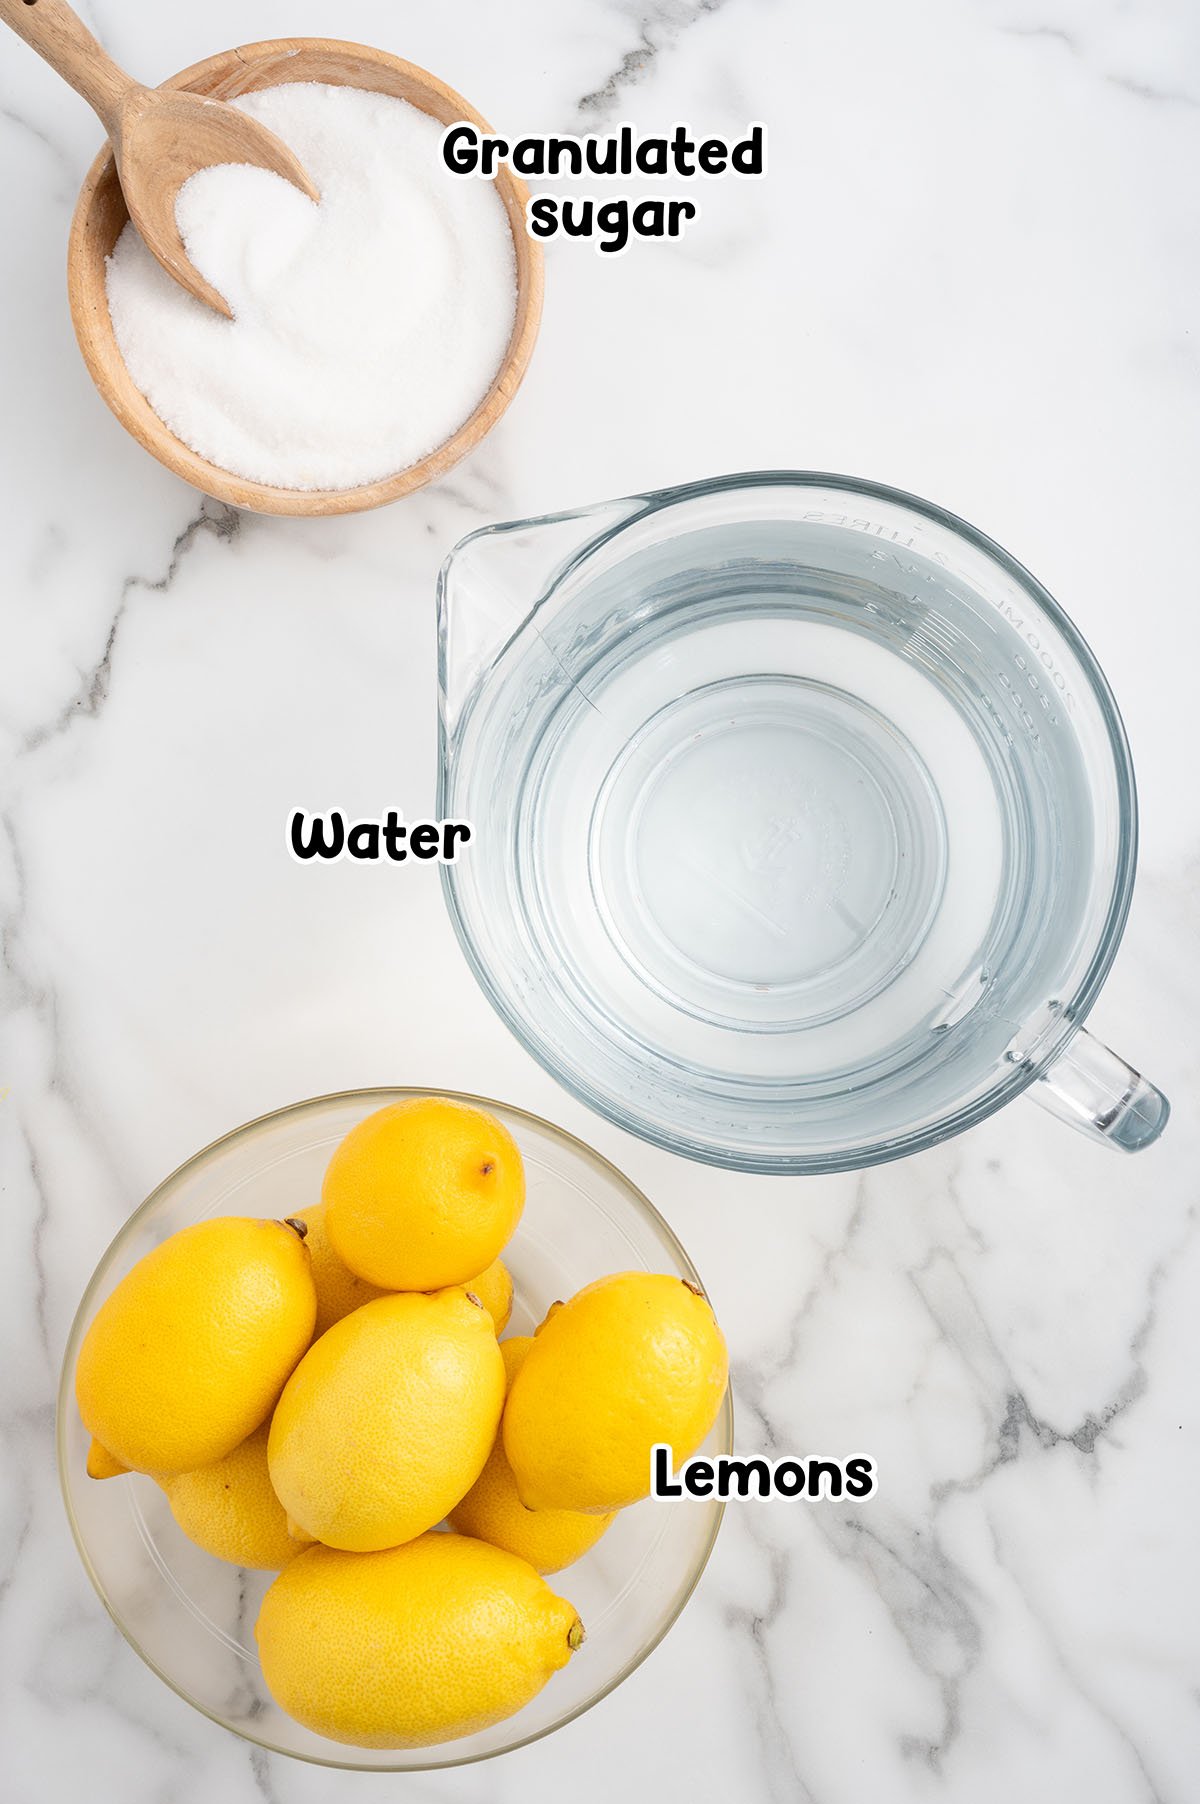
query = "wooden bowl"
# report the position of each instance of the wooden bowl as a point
(100, 217)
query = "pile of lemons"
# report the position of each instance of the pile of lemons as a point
(326, 1396)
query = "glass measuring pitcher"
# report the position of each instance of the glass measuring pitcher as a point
(805, 821)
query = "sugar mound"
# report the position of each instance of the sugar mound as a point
(366, 330)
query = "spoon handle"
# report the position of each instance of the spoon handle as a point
(60, 36)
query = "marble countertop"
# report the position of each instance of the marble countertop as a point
(972, 272)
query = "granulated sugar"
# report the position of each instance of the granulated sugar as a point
(366, 330)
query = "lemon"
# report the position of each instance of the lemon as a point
(494, 1289)
(339, 1290)
(423, 1194)
(388, 1419)
(492, 1511)
(412, 1646)
(632, 1360)
(101, 1464)
(230, 1510)
(190, 1351)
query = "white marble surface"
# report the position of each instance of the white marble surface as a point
(973, 272)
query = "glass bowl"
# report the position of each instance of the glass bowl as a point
(191, 1618)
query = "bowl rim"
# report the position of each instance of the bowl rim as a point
(379, 1095)
(97, 341)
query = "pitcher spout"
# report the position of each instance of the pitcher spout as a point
(496, 581)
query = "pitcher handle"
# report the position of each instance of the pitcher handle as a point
(1098, 1093)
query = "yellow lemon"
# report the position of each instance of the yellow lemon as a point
(492, 1511)
(339, 1290)
(494, 1288)
(101, 1464)
(388, 1419)
(633, 1359)
(231, 1511)
(423, 1194)
(190, 1351)
(412, 1646)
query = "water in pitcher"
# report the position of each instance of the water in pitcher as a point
(792, 810)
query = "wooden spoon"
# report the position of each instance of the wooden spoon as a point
(160, 136)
